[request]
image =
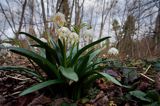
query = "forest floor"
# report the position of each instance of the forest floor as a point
(104, 93)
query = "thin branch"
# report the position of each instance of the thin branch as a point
(44, 15)
(12, 17)
(6, 18)
(59, 7)
(22, 15)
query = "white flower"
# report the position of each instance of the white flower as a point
(5, 52)
(36, 49)
(59, 19)
(113, 51)
(74, 37)
(63, 33)
(88, 35)
(69, 37)
(43, 40)
(6, 44)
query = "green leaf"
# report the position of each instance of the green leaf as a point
(51, 54)
(96, 63)
(140, 95)
(40, 86)
(34, 38)
(153, 94)
(21, 69)
(55, 52)
(90, 78)
(72, 51)
(82, 66)
(93, 67)
(85, 48)
(110, 78)
(94, 54)
(49, 68)
(63, 51)
(69, 73)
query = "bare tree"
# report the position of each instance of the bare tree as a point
(44, 15)
(31, 23)
(157, 31)
(22, 15)
(6, 17)
(105, 11)
(78, 12)
(71, 12)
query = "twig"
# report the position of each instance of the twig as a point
(18, 78)
(15, 93)
(147, 69)
(147, 77)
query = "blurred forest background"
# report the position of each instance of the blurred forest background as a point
(134, 25)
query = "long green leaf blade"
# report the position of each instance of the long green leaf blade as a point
(48, 67)
(21, 69)
(40, 86)
(49, 51)
(110, 78)
(91, 78)
(82, 66)
(34, 38)
(86, 47)
(94, 54)
(63, 51)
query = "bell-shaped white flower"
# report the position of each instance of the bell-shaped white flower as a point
(43, 40)
(113, 51)
(5, 52)
(74, 37)
(59, 19)
(88, 35)
(63, 33)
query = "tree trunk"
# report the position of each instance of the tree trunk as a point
(157, 33)
(31, 28)
(22, 16)
(101, 30)
(78, 12)
(71, 12)
(44, 16)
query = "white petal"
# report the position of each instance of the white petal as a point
(113, 51)
(43, 40)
